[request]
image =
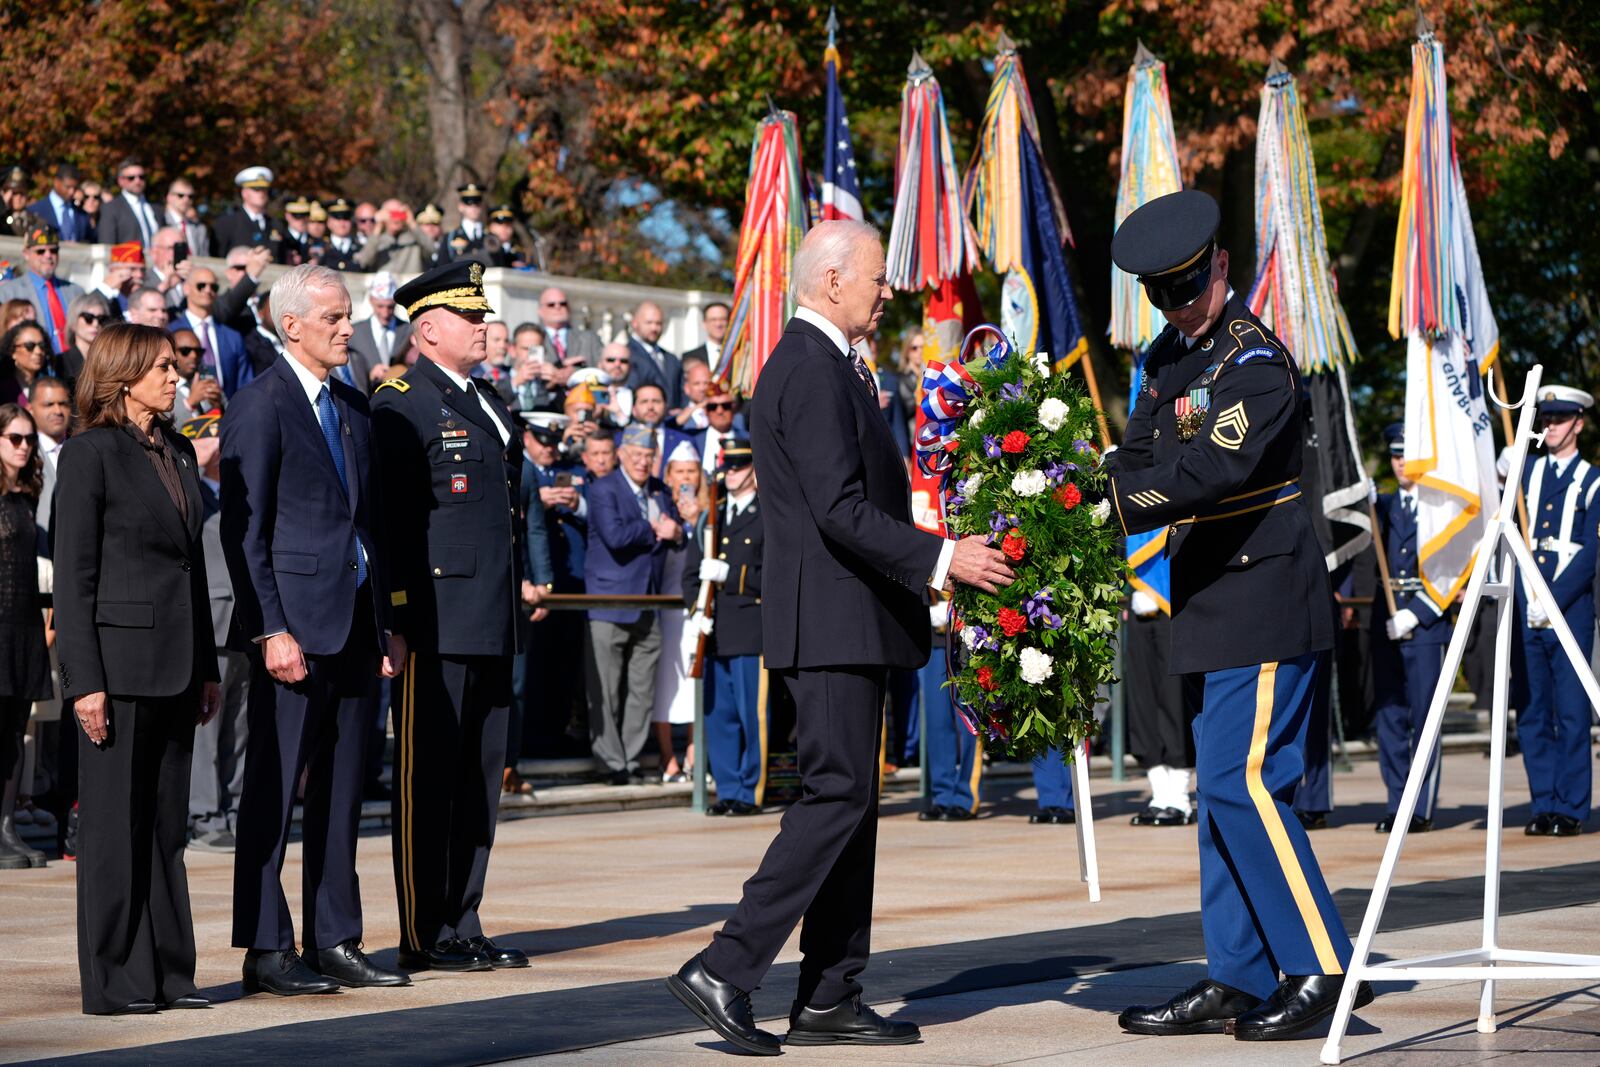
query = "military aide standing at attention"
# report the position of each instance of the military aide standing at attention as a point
(451, 467)
(1212, 452)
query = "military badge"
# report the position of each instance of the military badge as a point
(475, 274)
(1230, 427)
(1191, 411)
(458, 483)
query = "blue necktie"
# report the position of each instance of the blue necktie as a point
(330, 434)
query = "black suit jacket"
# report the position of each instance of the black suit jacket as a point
(643, 370)
(117, 224)
(133, 615)
(844, 571)
(235, 229)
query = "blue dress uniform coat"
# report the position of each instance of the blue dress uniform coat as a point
(1405, 672)
(451, 473)
(1213, 452)
(1554, 726)
(955, 753)
(736, 706)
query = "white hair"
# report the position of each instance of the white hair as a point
(829, 246)
(291, 293)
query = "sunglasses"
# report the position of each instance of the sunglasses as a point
(182, 196)
(189, 350)
(236, 266)
(613, 359)
(131, 178)
(29, 346)
(555, 303)
(366, 220)
(19, 439)
(94, 320)
(206, 287)
(720, 405)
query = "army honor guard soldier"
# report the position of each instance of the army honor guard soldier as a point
(1213, 453)
(1553, 728)
(451, 465)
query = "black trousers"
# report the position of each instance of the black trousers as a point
(135, 934)
(819, 869)
(319, 724)
(1161, 709)
(450, 718)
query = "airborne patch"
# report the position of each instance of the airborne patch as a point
(1229, 429)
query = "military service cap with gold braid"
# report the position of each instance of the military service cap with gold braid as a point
(457, 285)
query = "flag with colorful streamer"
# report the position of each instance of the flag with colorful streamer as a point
(1438, 302)
(776, 217)
(841, 193)
(1150, 169)
(1022, 226)
(1296, 295)
(930, 239)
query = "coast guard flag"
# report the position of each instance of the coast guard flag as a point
(841, 196)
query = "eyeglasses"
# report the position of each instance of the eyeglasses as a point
(189, 350)
(555, 303)
(236, 266)
(29, 346)
(131, 177)
(366, 220)
(19, 439)
(94, 320)
(614, 359)
(182, 196)
(720, 405)
(206, 287)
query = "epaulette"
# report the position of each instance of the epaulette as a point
(394, 383)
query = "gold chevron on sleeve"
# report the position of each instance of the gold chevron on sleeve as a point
(1229, 429)
(1147, 498)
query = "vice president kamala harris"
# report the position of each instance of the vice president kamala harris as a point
(139, 665)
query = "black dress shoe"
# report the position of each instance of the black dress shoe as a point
(937, 813)
(349, 966)
(620, 778)
(191, 1000)
(719, 808)
(723, 1007)
(1383, 825)
(449, 955)
(954, 814)
(501, 957)
(848, 1022)
(1419, 825)
(740, 807)
(1206, 1007)
(1565, 826)
(1543, 825)
(1298, 1004)
(137, 1007)
(283, 974)
(1312, 820)
(1053, 817)
(1154, 816)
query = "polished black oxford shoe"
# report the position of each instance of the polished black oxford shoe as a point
(937, 813)
(1298, 1004)
(451, 955)
(719, 808)
(1053, 817)
(349, 966)
(282, 973)
(1312, 820)
(501, 957)
(1565, 826)
(1206, 1007)
(722, 1006)
(1154, 816)
(1543, 825)
(848, 1022)
(740, 807)
(954, 814)
(133, 1007)
(191, 1000)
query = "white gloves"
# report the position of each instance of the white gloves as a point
(1400, 624)
(1103, 456)
(1143, 604)
(714, 570)
(1502, 463)
(700, 623)
(939, 614)
(1537, 619)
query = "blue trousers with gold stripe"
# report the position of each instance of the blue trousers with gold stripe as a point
(1264, 907)
(1052, 779)
(1553, 726)
(736, 727)
(955, 759)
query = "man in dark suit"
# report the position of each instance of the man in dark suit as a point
(56, 208)
(249, 224)
(843, 578)
(379, 338)
(222, 351)
(301, 536)
(651, 362)
(632, 522)
(714, 320)
(129, 216)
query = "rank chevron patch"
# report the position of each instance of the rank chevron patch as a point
(1229, 429)
(1147, 498)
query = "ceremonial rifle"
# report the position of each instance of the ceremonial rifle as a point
(704, 601)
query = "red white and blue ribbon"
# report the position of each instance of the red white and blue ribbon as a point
(947, 392)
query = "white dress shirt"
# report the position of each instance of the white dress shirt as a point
(941, 570)
(467, 387)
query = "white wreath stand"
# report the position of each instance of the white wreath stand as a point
(1502, 546)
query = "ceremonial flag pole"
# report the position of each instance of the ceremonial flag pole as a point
(1022, 227)
(776, 217)
(1149, 169)
(841, 194)
(1296, 295)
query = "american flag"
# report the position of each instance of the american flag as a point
(841, 196)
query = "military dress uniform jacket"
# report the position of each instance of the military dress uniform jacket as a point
(1399, 527)
(235, 229)
(1564, 535)
(451, 512)
(332, 256)
(1213, 452)
(736, 603)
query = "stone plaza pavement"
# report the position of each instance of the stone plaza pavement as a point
(983, 934)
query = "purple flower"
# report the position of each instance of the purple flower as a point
(1056, 472)
(1080, 445)
(1037, 608)
(956, 502)
(983, 639)
(1013, 391)
(1000, 523)
(991, 446)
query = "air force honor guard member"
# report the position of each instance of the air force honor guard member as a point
(736, 719)
(1212, 452)
(1554, 727)
(451, 464)
(1407, 648)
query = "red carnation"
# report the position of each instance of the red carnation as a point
(1014, 545)
(1012, 622)
(1014, 442)
(956, 624)
(1069, 496)
(986, 679)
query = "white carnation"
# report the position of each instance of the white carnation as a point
(975, 419)
(1029, 483)
(1036, 666)
(1102, 512)
(970, 486)
(969, 637)
(1053, 414)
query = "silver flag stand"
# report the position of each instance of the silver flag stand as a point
(1503, 547)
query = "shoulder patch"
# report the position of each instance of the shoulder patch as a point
(394, 383)
(1256, 353)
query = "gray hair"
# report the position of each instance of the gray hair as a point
(238, 254)
(93, 302)
(829, 246)
(291, 293)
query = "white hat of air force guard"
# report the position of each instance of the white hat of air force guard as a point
(254, 178)
(1562, 399)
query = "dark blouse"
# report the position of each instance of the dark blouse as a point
(160, 455)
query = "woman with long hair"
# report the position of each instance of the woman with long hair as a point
(87, 313)
(15, 311)
(24, 659)
(25, 353)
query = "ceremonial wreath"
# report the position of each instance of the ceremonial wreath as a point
(1013, 442)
